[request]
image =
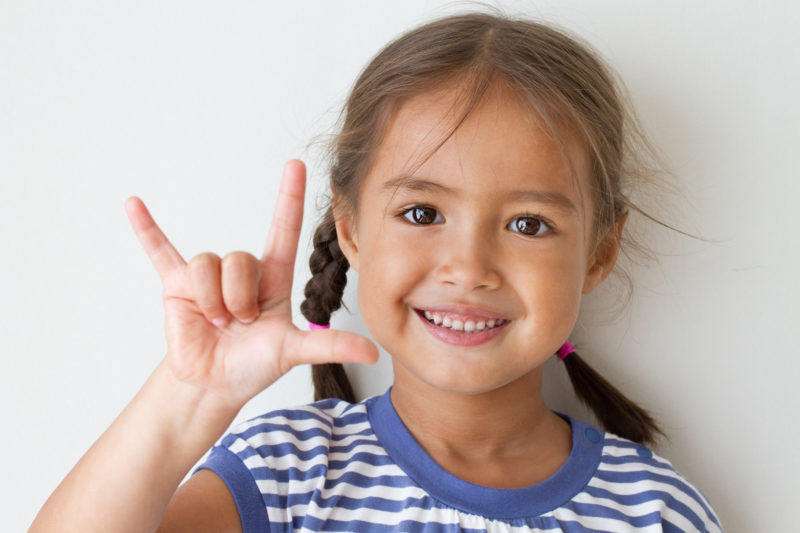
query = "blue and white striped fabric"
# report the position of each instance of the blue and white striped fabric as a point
(334, 466)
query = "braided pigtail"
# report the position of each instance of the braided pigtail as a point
(616, 413)
(323, 294)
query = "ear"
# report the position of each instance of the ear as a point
(346, 234)
(604, 257)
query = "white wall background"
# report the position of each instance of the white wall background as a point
(195, 106)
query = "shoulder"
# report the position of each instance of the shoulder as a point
(273, 463)
(302, 432)
(632, 477)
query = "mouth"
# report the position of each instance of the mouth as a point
(462, 329)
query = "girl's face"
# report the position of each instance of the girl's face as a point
(492, 234)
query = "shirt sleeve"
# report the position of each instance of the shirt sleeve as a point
(242, 485)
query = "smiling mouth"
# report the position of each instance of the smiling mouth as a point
(461, 330)
(465, 325)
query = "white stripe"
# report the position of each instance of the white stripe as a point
(284, 437)
(601, 523)
(280, 464)
(238, 445)
(436, 515)
(351, 491)
(336, 411)
(633, 511)
(372, 449)
(639, 467)
(624, 451)
(638, 487)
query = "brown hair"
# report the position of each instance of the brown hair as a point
(565, 83)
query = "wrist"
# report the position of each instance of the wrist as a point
(190, 418)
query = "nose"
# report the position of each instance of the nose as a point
(469, 260)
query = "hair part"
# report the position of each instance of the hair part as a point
(573, 92)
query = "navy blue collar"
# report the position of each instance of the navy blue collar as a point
(555, 491)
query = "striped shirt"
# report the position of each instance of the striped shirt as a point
(335, 466)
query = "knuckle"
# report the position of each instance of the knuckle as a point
(286, 223)
(239, 268)
(204, 262)
(239, 261)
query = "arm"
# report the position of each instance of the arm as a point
(126, 479)
(229, 336)
(201, 505)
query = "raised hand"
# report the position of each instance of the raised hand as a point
(228, 321)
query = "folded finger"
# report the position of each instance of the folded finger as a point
(203, 272)
(241, 273)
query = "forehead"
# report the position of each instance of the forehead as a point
(500, 141)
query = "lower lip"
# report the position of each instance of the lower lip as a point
(460, 338)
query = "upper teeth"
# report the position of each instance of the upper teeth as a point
(468, 326)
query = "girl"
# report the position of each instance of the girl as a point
(479, 190)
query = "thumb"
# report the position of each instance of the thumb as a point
(328, 346)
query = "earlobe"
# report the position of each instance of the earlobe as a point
(604, 257)
(348, 241)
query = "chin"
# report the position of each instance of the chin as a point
(467, 381)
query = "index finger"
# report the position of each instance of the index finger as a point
(162, 254)
(284, 232)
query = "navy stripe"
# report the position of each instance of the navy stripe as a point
(360, 526)
(362, 481)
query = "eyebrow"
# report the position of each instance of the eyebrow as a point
(421, 184)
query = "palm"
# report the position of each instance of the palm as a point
(257, 342)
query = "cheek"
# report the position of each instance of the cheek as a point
(386, 274)
(551, 288)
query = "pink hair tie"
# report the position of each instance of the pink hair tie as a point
(311, 325)
(566, 349)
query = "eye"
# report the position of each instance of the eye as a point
(423, 215)
(529, 225)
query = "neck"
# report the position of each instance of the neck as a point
(506, 437)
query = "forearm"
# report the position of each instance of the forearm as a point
(126, 479)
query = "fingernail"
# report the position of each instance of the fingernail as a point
(220, 322)
(246, 320)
